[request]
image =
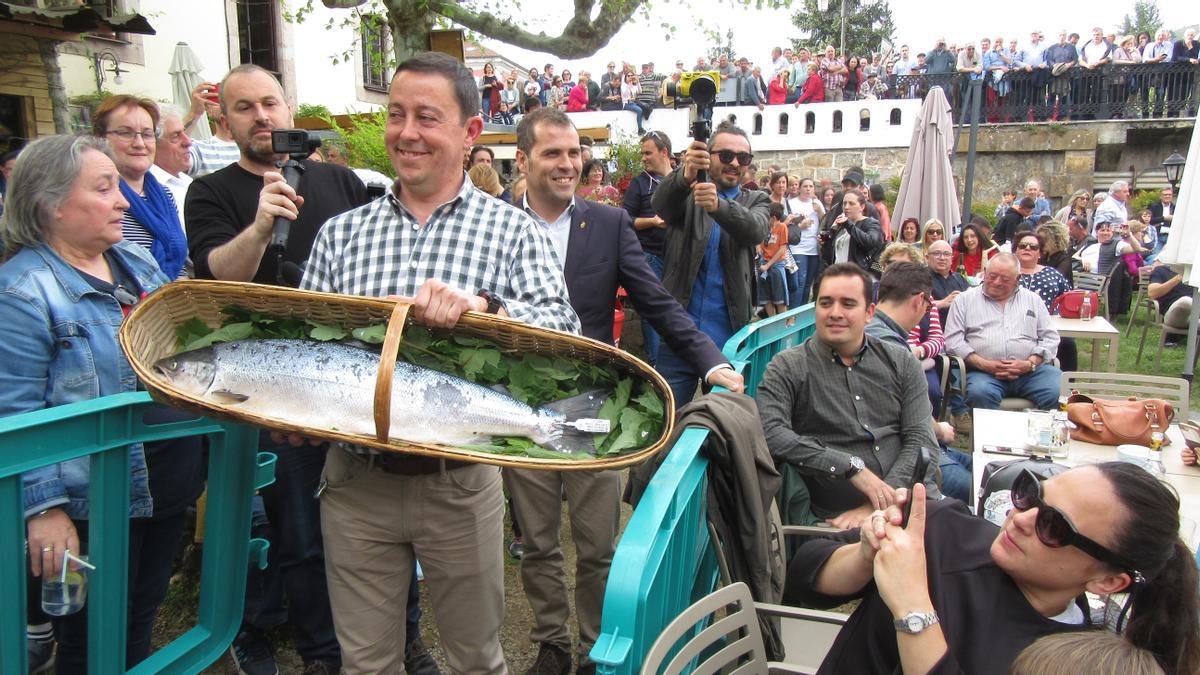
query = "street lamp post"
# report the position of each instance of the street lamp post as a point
(823, 5)
(1173, 167)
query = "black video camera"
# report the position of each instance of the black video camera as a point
(293, 142)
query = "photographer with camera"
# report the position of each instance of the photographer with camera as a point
(231, 216)
(713, 228)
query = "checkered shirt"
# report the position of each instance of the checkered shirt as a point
(472, 242)
(831, 80)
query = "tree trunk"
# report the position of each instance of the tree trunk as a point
(410, 23)
(61, 107)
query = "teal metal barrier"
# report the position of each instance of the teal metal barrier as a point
(103, 429)
(665, 560)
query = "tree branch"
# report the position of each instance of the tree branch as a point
(343, 4)
(582, 36)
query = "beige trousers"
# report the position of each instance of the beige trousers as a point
(375, 523)
(594, 504)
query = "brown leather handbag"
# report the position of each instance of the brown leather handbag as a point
(1107, 422)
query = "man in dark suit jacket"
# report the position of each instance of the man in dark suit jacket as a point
(600, 251)
(1162, 213)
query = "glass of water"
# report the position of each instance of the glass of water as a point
(67, 593)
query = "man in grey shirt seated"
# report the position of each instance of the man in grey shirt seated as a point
(849, 411)
(1003, 332)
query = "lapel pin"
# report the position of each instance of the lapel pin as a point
(582, 224)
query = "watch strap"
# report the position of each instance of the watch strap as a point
(915, 622)
(494, 303)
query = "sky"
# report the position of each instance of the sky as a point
(918, 22)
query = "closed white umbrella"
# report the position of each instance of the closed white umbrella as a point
(185, 75)
(927, 183)
(1182, 251)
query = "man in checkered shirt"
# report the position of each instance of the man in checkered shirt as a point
(453, 248)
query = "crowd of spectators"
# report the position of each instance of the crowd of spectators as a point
(1131, 75)
(705, 245)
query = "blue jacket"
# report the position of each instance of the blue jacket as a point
(61, 347)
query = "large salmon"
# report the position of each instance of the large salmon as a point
(330, 385)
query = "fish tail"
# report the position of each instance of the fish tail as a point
(585, 406)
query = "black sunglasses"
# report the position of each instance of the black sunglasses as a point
(1029, 246)
(1053, 527)
(727, 156)
(125, 297)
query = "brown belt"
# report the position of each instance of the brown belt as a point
(405, 465)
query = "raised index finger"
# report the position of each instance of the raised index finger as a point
(916, 517)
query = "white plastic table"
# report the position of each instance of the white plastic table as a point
(1097, 330)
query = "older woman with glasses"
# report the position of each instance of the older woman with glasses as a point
(70, 282)
(130, 125)
(953, 593)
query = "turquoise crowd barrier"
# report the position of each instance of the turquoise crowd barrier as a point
(103, 429)
(665, 560)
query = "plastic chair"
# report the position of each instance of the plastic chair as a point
(1092, 281)
(1142, 300)
(1154, 319)
(1173, 390)
(728, 643)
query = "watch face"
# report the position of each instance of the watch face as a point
(915, 624)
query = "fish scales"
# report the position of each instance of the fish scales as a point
(332, 386)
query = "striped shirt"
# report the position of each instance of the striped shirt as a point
(1017, 330)
(471, 242)
(212, 155)
(135, 232)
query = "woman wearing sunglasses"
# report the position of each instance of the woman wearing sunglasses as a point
(933, 231)
(952, 593)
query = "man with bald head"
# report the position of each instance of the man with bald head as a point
(1003, 332)
(946, 284)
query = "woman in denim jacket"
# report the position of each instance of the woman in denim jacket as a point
(63, 294)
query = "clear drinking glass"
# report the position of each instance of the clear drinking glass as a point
(67, 593)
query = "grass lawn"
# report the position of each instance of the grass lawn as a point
(1170, 365)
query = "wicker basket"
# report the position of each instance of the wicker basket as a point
(148, 334)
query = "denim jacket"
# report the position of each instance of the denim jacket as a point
(61, 347)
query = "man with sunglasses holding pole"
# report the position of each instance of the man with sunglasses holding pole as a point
(1003, 332)
(712, 230)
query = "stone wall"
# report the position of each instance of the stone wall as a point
(1063, 157)
(880, 164)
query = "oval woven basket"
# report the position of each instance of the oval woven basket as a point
(148, 334)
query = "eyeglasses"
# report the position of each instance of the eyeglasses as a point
(935, 231)
(128, 135)
(727, 156)
(1029, 246)
(1053, 527)
(939, 254)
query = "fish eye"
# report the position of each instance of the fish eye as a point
(174, 365)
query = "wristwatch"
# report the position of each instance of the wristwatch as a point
(494, 303)
(1032, 365)
(856, 465)
(915, 622)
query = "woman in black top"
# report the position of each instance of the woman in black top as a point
(854, 237)
(1103, 528)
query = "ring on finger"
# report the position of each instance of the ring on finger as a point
(47, 549)
(876, 514)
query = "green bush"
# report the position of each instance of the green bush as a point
(985, 210)
(365, 147)
(1141, 201)
(312, 110)
(890, 192)
(626, 153)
